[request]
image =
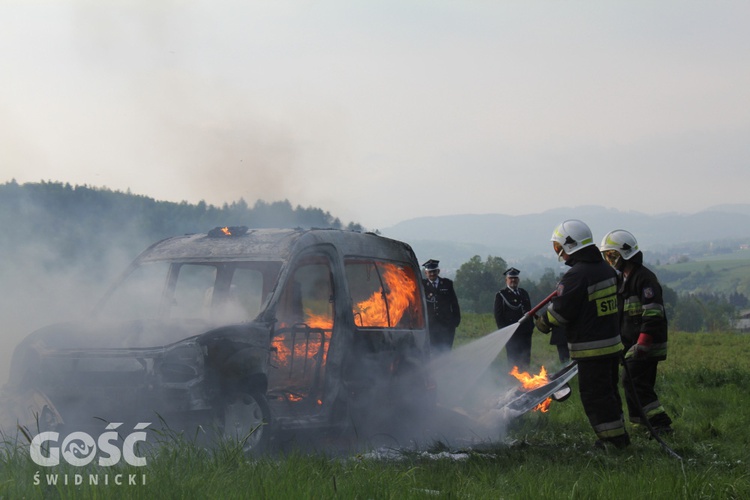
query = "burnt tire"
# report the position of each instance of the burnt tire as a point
(246, 420)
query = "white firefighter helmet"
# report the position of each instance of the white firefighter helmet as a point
(570, 236)
(621, 241)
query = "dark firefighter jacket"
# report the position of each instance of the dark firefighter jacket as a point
(510, 307)
(442, 303)
(642, 309)
(586, 304)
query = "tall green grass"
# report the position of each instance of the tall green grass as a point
(704, 386)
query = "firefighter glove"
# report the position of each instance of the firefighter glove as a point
(640, 349)
(542, 324)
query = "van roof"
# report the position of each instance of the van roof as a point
(272, 244)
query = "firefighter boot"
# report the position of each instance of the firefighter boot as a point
(619, 442)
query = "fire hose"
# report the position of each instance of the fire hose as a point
(537, 307)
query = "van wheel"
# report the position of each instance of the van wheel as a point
(246, 420)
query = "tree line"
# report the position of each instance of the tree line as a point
(478, 281)
(59, 222)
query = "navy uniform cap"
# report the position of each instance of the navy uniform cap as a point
(431, 265)
(512, 272)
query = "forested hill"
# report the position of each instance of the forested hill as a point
(57, 221)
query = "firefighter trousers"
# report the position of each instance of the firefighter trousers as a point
(598, 380)
(640, 387)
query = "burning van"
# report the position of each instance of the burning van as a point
(248, 331)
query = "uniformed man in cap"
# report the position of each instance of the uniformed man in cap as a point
(443, 312)
(511, 303)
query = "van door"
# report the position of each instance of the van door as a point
(301, 337)
(385, 371)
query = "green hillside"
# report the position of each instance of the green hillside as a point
(724, 274)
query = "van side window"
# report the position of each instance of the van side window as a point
(241, 301)
(384, 294)
(193, 291)
(308, 295)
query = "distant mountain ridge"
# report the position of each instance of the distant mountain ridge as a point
(731, 208)
(454, 239)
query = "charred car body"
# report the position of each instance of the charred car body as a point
(235, 328)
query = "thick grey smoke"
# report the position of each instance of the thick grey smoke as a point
(39, 288)
(42, 288)
(469, 392)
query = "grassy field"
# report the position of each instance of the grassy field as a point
(703, 385)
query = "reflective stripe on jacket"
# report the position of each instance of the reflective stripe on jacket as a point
(642, 305)
(586, 305)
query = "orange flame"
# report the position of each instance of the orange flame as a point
(310, 347)
(401, 291)
(398, 292)
(532, 382)
(322, 321)
(226, 231)
(302, 349)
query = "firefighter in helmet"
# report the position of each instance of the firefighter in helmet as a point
(643, 326)
(586, 304)
(443, 311)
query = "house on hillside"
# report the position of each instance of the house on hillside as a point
(678, 258)
(742, 323)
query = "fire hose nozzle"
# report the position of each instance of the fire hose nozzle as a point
(537, 307)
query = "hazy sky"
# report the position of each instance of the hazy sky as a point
(382, 111)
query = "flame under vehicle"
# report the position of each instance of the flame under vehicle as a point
(248, 331)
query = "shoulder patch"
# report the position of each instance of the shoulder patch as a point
(560, 288)
(648, 292)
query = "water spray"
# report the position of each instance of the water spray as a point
(457, 371)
